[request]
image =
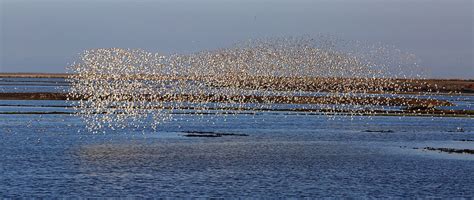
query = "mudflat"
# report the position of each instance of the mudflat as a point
(314, 84)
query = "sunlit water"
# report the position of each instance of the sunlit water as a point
(286, 154)
(283, 156)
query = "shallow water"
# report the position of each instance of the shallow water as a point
(286, 154)
(283, 156)
(23, 85)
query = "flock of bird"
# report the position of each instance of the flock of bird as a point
(121, 88)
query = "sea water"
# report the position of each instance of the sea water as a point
(286, 154)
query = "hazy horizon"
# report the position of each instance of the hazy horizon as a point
(45, 36)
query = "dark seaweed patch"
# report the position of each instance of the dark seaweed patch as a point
(210, 134)
(450, 150)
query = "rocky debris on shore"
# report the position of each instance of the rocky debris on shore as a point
(420, 107)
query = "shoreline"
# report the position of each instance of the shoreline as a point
(414, 107)
(322, 112)
(312, 84)
(34, 75)
(347, 100)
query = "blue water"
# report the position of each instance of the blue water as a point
(286, 154)
(23, 85)
(283, 156)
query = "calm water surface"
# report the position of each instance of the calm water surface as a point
(284, 155)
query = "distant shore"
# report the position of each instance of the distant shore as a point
(34, 75)
(346, 100)
(413, 105)
(443, 86)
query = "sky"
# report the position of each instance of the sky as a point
(48, 35)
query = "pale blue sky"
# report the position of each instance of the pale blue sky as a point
(46, 35)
